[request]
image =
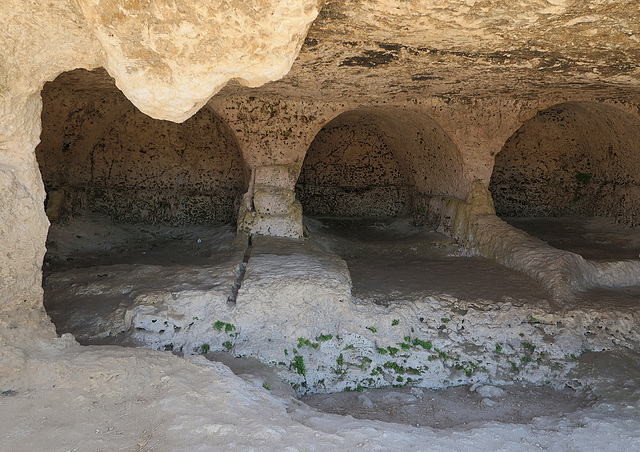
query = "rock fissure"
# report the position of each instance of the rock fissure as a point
(241, 272)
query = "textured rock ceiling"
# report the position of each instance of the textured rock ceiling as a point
(459, 48)
(398, 51)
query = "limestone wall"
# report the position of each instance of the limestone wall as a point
(373, 162)
(572, 158)
(351, 170)
(169, 57)
(102, 154)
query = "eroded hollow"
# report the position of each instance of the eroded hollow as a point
(570, 176)
(132, 200)
(98, 153)
(365, 187)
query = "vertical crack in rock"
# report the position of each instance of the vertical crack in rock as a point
(242, 269)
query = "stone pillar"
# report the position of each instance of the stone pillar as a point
(273, 209)
(23, 227)
(274, 135)
(479, 128)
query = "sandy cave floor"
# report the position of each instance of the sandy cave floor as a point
(514, 417)
(389, 261)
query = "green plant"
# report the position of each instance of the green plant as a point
(204, 349)
(324, 337)
(514, 367)
(498, 348)
(382, 351)
(424, 344)
(266, 386)
(227, 345)
(298, 365)
(302, 341)
(394, 366)
(373, 329)
(228, 327)
(168, 347)
(467, 367)
(445, 319)
(340, 360)
(393, 350)
(442, 354)
(395, 322)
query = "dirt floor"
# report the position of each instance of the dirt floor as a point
(393, 258)
(130, 399)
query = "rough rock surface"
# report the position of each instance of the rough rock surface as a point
(170, 57)
(101, 154)
(478, 70)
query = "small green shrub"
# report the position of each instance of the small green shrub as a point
(424, 344)
(298, 365)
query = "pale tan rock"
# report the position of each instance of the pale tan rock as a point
(274, 201)
(278, 176)
(170, 57)
(287, 224)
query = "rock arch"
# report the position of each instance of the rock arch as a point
(571, 158)
(379, 162)
(98, 152)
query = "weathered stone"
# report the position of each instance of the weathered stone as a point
(170, 57)
(288, 224)
(279, 176)
(445, 84)
(272, 201)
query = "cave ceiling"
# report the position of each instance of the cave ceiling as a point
(397, 52)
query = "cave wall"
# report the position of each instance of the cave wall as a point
(572, 158)
(350, 170)
(101, 154)
(170, 57)
(380, 162)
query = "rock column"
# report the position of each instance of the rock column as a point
(274, 135)
(23, 228)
